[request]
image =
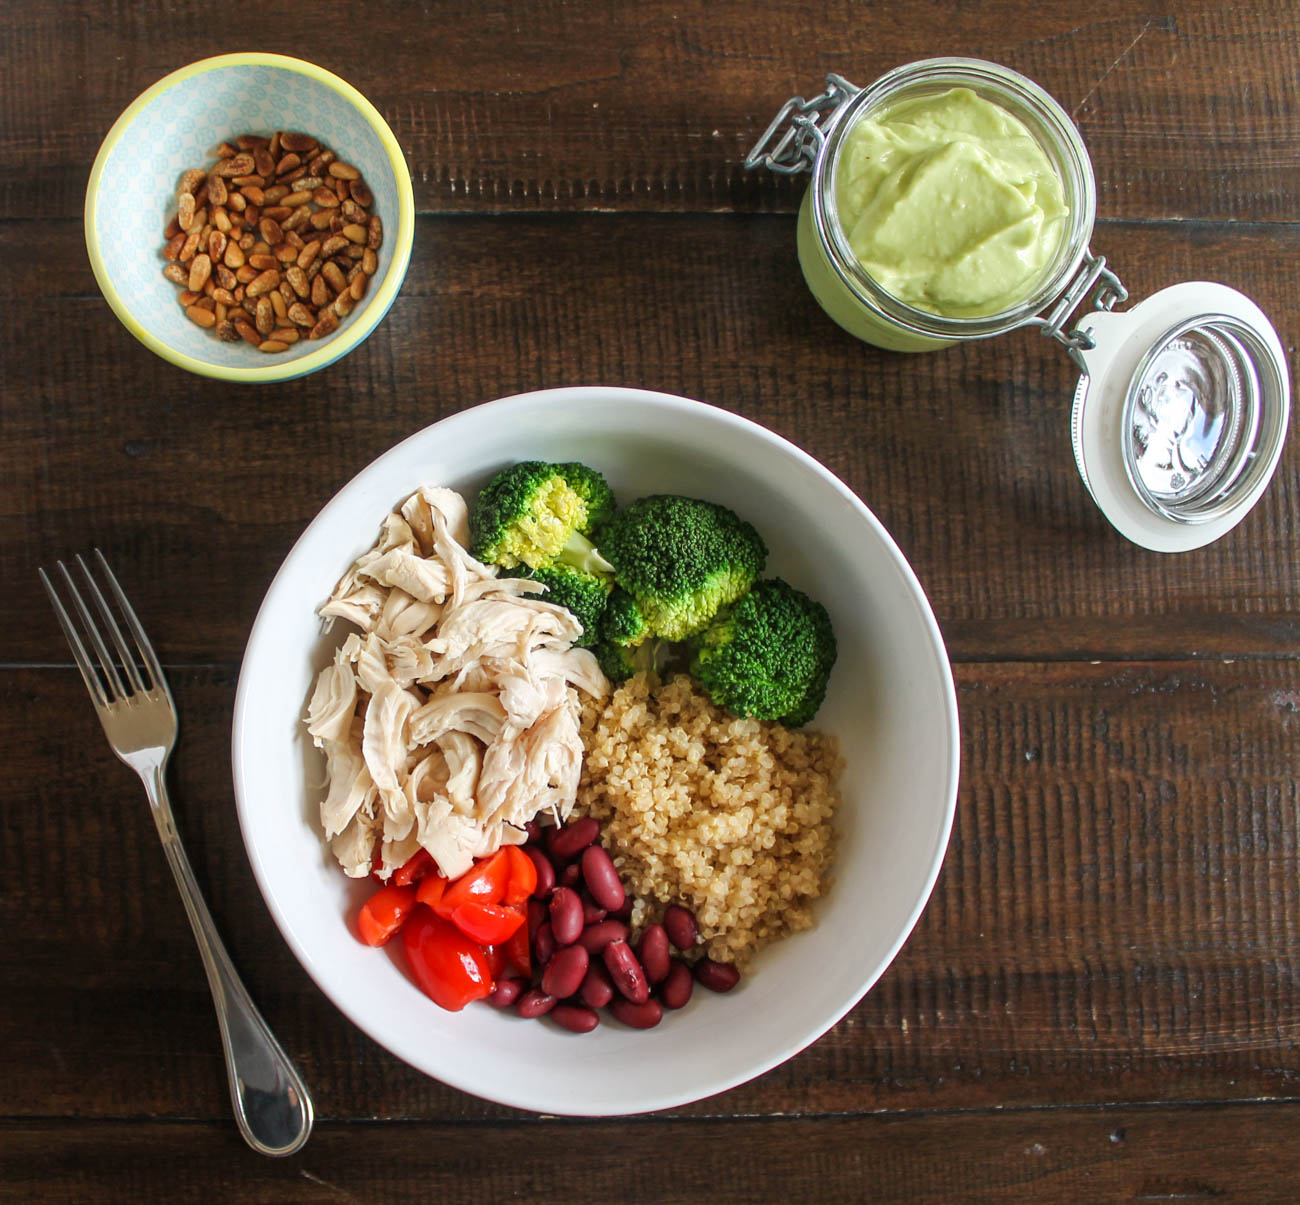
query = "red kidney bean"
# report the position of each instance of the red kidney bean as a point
(716, 976)
(573, 838)
(676, 989)
(602, 878)
(571, 875)
(565, 972)
(545, 871)
(534, 830)
(639, 1016)
(625, 912)
(544, 944)
(566, 916)
(652, 950)
(575, 1018)
(596, 937)
(597, 988)
(592, 913)
(626, 972)
(534, 1003)
(506, 992)
(683, 932)
(536, 916)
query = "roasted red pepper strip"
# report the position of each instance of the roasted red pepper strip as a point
(487, 924)
(384, 912)
(497, 962)
(450, 969)
(430, 888)
(523, 876)
(414, 868)
(483, 883)
(519, 952)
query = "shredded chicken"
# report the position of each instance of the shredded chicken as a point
(451, 718)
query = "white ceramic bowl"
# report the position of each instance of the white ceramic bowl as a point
(891, 703)
(176, 125)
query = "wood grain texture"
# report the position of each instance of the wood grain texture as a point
(1101, 1001)
(964, 455)
(1238, 1153)
(1189, 109)
(1117, 918)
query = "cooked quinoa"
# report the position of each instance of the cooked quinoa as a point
(730, 817)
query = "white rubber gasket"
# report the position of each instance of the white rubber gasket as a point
(1121, 341)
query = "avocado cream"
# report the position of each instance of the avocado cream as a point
(950, 204)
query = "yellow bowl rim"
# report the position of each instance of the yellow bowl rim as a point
(349, 336)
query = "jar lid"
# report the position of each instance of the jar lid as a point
(1181, 413)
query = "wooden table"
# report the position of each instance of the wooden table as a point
(1101, 1001)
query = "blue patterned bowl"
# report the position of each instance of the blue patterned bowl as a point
(176, 125)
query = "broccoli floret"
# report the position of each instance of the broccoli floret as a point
(623, 647)
(622, 622)
(769, 656)
(621, 661)
(585, 594)
(535, 514)
(681, 560)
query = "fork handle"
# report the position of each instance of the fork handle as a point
(272, 1106)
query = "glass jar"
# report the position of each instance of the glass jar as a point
(849, 294)
(1183, 402)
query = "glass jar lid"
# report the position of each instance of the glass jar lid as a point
(1181, 413)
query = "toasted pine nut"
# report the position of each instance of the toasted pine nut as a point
(200, 270)
(234, 250)
(264, 282)
(264, 318)
(327, 325)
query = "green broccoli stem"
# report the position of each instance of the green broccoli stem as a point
(581, 553)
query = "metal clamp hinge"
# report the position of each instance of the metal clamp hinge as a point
(1107, 292)
(797, 148)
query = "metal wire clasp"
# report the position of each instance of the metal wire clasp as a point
(796, 150)
(1095, 278)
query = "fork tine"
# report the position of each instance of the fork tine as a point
(79, 654)
(128, 661)
(141, 640)
(115, 687)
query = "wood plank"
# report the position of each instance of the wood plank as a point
(496, 111)
(1237, 1153)
(202, 487)
(1116, 920)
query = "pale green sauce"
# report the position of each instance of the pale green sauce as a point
(950, 204)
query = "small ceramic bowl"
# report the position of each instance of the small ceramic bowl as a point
(177, 125)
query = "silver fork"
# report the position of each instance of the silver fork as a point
(135, 706)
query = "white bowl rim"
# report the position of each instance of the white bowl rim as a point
(501, 411)
(349, 336)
